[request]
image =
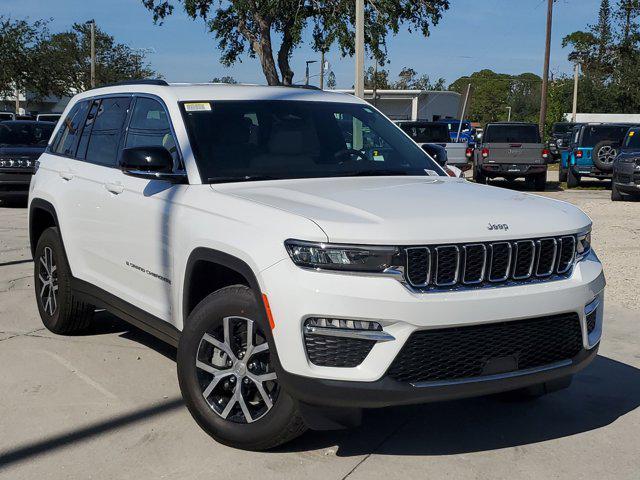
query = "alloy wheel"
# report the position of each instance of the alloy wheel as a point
(234, 371)
(48, 277)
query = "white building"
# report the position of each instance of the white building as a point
(415, 104)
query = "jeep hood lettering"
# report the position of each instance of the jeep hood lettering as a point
(412, 210)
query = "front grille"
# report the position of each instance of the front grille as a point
(328, 351)
(471, 351)
(445, 267)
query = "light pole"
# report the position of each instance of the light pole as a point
(359, 73)
(508, 114)
(92, 23)
(545, 74)
(574, 110)
(306, 76)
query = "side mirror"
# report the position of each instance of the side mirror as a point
(153, 163)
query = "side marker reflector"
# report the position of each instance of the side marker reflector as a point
(265, 300)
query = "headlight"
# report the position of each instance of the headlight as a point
(583, 246)
(355, 258)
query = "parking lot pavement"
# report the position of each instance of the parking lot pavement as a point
(106, 404)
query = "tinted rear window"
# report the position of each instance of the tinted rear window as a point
(561, 128)
(427, 133)
(512, 134)
(597, 133)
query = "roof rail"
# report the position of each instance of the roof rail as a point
(142, 81)
(307, 87)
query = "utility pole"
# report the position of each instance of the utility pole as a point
(322, 70)
(508, 114)
(359, 73)
(464, 109)
(574, 111)
(17, 90)
(545, 74)
(306, 75)
(92, 24)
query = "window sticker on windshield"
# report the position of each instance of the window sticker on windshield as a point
(632, 133)
(431, 173)
(197, 107)
(377, 156)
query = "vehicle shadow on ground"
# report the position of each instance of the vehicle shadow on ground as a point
(605, 391)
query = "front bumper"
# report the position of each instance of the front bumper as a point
(627, 178)
(15, 182)
(296, 294)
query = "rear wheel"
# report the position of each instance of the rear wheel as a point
(562, 175)
(60, 310)
(226, 374)
(537, 181)
(573, 180)
(480, 177)
(616, 195)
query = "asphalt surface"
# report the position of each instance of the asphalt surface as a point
(106, 404)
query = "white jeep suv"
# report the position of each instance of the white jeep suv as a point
(301, 252)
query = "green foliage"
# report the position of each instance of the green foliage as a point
(248, 27)
(408, 79)
(224, 79)
(59, 64)
(492, 93)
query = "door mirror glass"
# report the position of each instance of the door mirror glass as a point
(152, 162)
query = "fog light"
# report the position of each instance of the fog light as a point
(342, 323)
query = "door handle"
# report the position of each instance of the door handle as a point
(66, 175)
(115, 188)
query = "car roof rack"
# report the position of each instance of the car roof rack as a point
(141, 81)
(306, 87)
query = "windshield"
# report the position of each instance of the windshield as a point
(427, 132)
(453, 126)
(598, 133)
(561, 128)
(512, 134)
(25, 134)
(266, 140)
(632, 140)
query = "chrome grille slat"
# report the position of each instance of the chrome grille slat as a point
(480, 264)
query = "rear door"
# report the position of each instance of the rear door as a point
(95, 168)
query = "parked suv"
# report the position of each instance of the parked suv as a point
(300, 251)
(626, 168)
(594, 147)
(559, 139)
(21, 143)
(511, 150)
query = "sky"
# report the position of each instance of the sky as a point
(506, 36)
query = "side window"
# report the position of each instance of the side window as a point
(86, 131)
(105, 133)
(65, 141)
(149, 126)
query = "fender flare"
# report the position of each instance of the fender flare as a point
(40, 204)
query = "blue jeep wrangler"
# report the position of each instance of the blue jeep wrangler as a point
(593, 149)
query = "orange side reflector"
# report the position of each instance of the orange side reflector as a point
(268, 309)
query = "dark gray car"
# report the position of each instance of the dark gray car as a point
(512, 150)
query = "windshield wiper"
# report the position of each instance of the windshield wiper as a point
(373, 172)
(242, 178)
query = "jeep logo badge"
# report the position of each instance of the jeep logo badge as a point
(498, 226)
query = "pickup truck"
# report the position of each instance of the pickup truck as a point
(511, 150)
(423, 133)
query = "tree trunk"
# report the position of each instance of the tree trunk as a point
(266, 54)
(285, 52)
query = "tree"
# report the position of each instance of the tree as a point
(19, 45)
(249, 26)
(331, 81)
(376, 78)
(408, 79)
(66, 56)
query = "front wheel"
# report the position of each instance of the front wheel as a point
(226, 374)
(616, 196)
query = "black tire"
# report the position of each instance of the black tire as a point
(573, 180)
(540, 181)
(604, 153)
(480, 177)
(562, 175)
(280, 423)
(61, 311)
(534, 392)
(616, 195)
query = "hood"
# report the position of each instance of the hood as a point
(24, 152)
(413, 210)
